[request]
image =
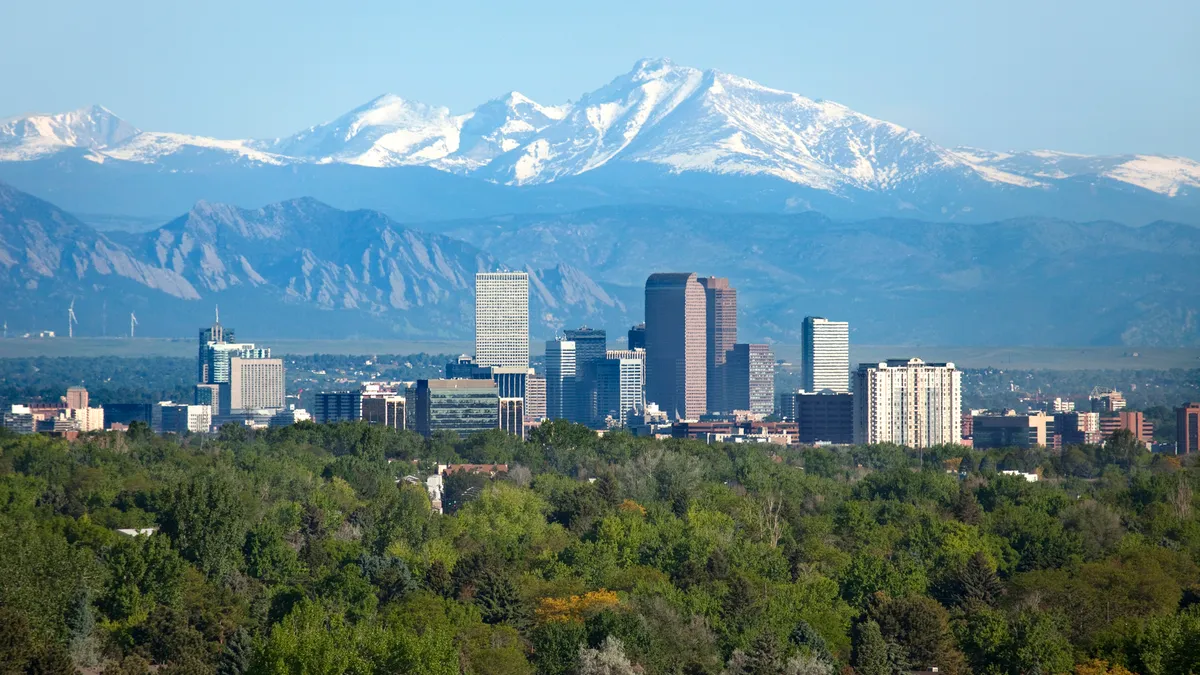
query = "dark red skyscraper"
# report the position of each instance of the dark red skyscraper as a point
(720, 334)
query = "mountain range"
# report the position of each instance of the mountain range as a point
(661, 133)
(301, 267)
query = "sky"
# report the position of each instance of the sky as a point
(1102, 76)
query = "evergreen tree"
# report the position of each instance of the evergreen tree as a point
(807, 637)
(235, 657)
(870, 656)
(977, 582)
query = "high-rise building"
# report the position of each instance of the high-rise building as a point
(750, 378)
(591, 347)
(512, 416)
(216, 334)
(824, 417)
(254, 384)
(220, 354)
(1012, 431)
(676, 349)
(619, 390)
(637, 336)
(207, 394)
(510, 381)
(77, 398)
(1077, 428)
(1187, 429)
(560, 380)
(720, 334)
(908, 402)
(127, 413)
(825, 353)
(502, 319)
(535, 397)
(1132, 421)
(639, 355)
(337, 406)
(1105, 400)
(460, 406)
(387, 411)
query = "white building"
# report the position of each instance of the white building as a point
(560, 379)
(620, 389)
(826, 355)
(254, 384)
(89, 419)
(908, 402)
(502, 319)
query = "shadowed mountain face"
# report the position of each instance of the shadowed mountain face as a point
(304, 268)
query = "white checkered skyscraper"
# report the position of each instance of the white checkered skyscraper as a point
(502, 319)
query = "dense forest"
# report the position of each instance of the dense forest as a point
(308, 549)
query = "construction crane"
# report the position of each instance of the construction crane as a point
(132, 323)
(71, 320)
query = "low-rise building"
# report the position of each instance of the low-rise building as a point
(459, 406)
(824, 417)
(1013, 431)
(337, 406)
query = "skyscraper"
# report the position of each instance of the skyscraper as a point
(591, 347)
(502, 319)
(637, 336)
(77, 398)
(619, 389)
(535, 397)
(560, 379)
(720, 334)
(215, 334)
(908, 402)
(676, 374)
(254, 384)
(750, 378)
(826, 354)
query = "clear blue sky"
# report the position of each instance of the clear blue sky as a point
(1084, 76)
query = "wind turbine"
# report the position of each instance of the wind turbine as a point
(132, 323)
(71, 320)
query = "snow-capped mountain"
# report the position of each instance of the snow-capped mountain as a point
(659, 120)
(35, 136)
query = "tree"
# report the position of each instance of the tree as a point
(498, 599)
(976, 581)
(921, 626)
(871, 655)
(205, 519)
(235, 657)
(609, 659)
(807, 638)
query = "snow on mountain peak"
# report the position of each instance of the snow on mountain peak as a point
(34, 136)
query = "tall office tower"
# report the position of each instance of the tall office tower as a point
(387, 411)
(502, 319)
(459, 406)
(676, 376)
(720, 334)
(591, 347)
(254, 384)
(535, 397)
(1187, 429)
(619, 389)
(560, 380)
(826, 355)
(338, 406)
(512, 416)
(637, 336)
(219, 355)
(216, 334)
(750, 377)
(908, 402)
(639, 355)
(77, 398)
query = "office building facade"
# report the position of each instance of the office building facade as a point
(676, 348)
(908, 402)
(216, 334)
(502, 319)
(720, 335)
(463, 407)
(254, 384)
(1078, 428)
(824, 417)
(167, 417)
(77, 397)
(337, 406)
(465, 368)
(1106, 400)
(620, 390)
(387, 411)
(591, 347)
(1012, 431)
(535, 397)
(825, 355)
(1187, 429)
(750, 379)
(512, 416)
(636, 338)
(560, 380)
